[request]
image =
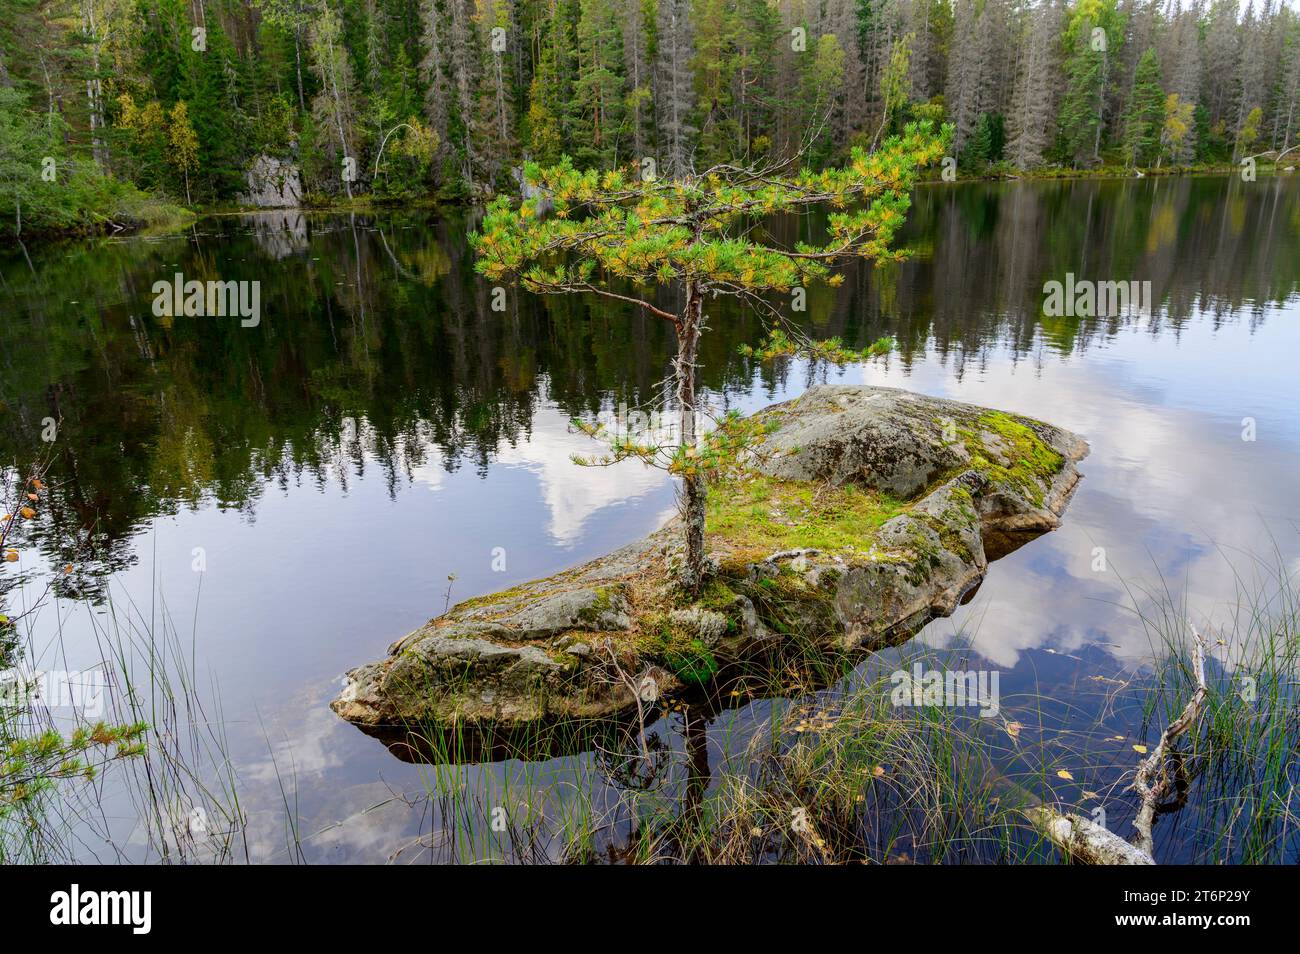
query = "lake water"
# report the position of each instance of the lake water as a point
(383, 428)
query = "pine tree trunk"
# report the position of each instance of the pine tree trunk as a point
(693, 493)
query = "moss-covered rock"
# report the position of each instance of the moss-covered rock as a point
(863, 513)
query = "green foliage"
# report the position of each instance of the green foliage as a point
(1093, 40)
(617, 227)
(1248, 134)
(987, 142)
(45, 188)
(1145, 118)
(779, 344)
(1178, 119)
(706, 82)
(406, 162)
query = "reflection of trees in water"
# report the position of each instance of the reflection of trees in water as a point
(380, 320)
(1210, 245)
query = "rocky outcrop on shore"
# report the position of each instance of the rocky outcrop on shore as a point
(272, 184)
(863, 513)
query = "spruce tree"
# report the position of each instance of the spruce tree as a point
(1144, 119)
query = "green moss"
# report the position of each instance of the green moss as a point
(693, 664)
(950, 538)
(789, 604)
(604, 601)
(925, 558)
(1024, 462)
(716, 595)
(677, 650)
(764, 515)
(506, 598)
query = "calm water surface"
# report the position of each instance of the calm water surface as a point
(383, 429)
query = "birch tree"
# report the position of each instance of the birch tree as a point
(335, 107)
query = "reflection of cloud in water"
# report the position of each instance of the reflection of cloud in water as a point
(1170, 491)
(298, 752)
(573, 493)
(305, 748)
(432, 472)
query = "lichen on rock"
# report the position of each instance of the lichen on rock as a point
(861, 513)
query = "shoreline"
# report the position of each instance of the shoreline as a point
(367, 204)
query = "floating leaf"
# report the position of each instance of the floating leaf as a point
(1013, 729)
(11, 556)
(27, 512)
(1140, 749)
(1065, 775)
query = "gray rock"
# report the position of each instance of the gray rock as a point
(272, 184)
(705, 625)
(973, 484)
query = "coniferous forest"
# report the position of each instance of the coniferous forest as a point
(112, 104)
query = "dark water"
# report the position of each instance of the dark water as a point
(383, 428)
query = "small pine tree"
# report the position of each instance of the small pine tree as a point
(619, 236)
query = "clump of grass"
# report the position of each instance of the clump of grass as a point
(831, 775)
(1241, 763)
(855, 781)
(166, 752)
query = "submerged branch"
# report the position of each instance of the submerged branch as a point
(1090, 843)
(1153, 792)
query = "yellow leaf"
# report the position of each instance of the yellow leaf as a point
(1140, 749)
(878, 771)
(11, 556)
(1013, 729)
(1065, 775)
(27, 512)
